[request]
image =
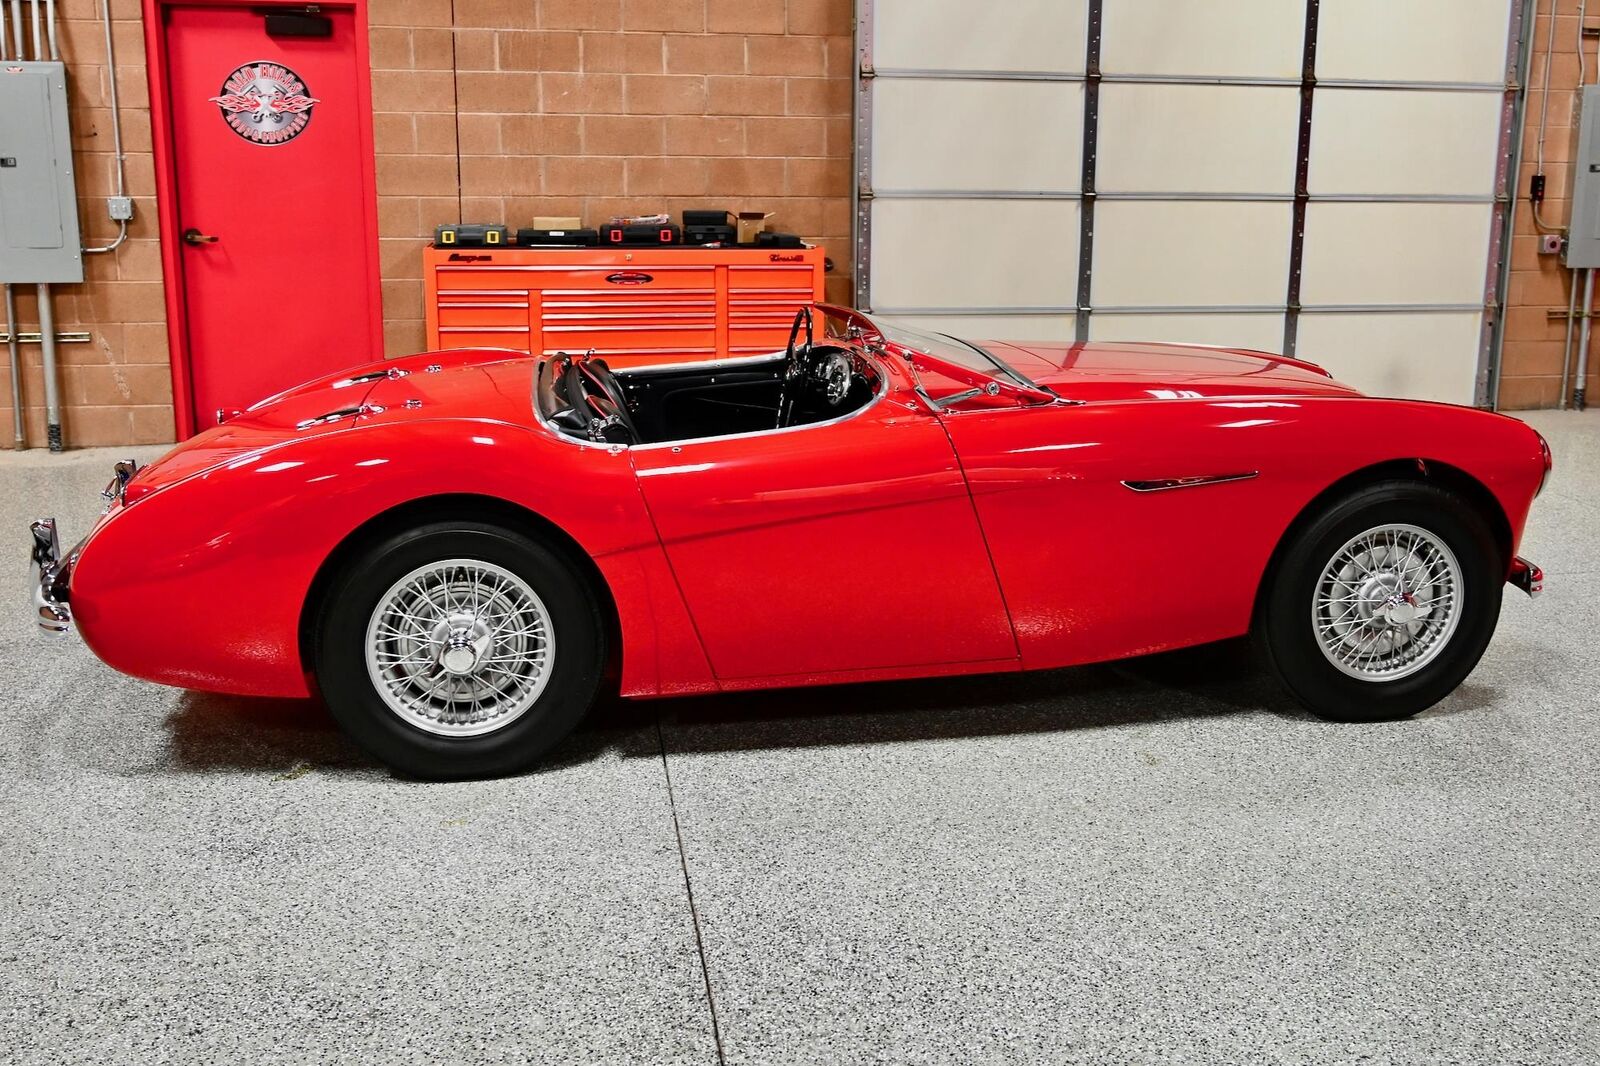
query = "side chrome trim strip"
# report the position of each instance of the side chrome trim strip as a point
(1163, 484)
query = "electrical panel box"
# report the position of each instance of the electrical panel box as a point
(39, 238)
(1583, 235)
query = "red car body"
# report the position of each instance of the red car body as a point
(998, 533)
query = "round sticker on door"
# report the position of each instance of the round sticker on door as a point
(265, 103)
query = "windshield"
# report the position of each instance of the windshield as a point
(951, 350)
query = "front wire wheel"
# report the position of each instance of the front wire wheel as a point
(1381, 605)
(1388, 602)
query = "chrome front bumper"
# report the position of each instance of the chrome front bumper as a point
(49, 582)
(1526, 576)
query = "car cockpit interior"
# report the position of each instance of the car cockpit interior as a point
(813, 380)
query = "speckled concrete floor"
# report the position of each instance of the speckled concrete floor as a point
(1151, 862)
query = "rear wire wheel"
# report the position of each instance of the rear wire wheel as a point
(1382, 604)
(459, 649)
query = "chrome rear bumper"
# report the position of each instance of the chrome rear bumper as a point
(49, 582)
(1526, 576)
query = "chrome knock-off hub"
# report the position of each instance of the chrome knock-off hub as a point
(460, 647)
(1387, 602)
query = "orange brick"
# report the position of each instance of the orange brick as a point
(415, 175)
(666, 94)
(1527, 393)
(475, 50)
(389, 48)
(744, 95)
(478, 134)
(436, 134)
(786, 55)
(747, 177)
(580, 14)
(521, 50)
(499, 175)
(821, 16)
(541, 134)
(583, 176)
(625, 135)
(421, 90)
(676, 16)
(582, 94)
(785, 136)
(433, 49)
(394, 134)
(712, 53)
(497, 14)
(704, 135)
(818, 96)
(665, 176)
(500, 91)
(745, 16)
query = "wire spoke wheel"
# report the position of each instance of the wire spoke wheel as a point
(460, 647)
(1388, 602)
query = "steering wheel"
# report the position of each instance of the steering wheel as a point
(794, 367)
(592, 390)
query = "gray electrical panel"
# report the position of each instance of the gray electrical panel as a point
(39, 239)
(1583, 235)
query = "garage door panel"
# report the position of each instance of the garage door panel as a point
(994, 327)
(1230, 38)
(1197, 138)
(1395, 253)
(974, 253)
(1262, 332)
(1404, 142)
(1418, 40)
(1029, 35)
(1420, 356)
(1190, 254)
(990, 135)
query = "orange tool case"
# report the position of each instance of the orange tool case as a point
(631, 305)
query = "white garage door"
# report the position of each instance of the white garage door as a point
(1318, 177)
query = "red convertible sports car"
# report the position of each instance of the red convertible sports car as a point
(458, 550)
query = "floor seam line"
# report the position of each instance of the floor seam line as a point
(688, 888)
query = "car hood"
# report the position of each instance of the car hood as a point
(1093, 371)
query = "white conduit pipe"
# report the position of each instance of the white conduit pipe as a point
(50, 26)
(38, 34)
(16, 370)
(116, 131)
(5, 53)
(16, 30)
(1578, 397)
(52, 392)
(1566, 349)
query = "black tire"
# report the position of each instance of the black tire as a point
(1286, 632)
(340, 658)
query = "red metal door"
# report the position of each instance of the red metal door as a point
(832, 549)
(270, 187)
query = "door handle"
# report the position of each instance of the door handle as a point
(194, 236)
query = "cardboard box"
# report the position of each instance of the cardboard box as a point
(752, 223)
(548, 222)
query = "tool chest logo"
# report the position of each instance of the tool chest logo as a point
(265, 103)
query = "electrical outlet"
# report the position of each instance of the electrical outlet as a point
(120, 208)
(1550, 244)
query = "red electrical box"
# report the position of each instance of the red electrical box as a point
(630, 305)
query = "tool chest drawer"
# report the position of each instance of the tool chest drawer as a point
(632, 306)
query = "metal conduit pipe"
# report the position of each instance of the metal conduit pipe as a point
(16, 30)
(17, 423)
(1583, 341)
(1566, 348)
(116, 131)
(38, 31)
(52, 393)
(50, 26)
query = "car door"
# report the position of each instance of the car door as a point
(850, 546)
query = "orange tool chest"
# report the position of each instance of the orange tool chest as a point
(631, 305)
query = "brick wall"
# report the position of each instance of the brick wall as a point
(603, 107)
(483, 110)
(117, 388)
(1537, 299)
